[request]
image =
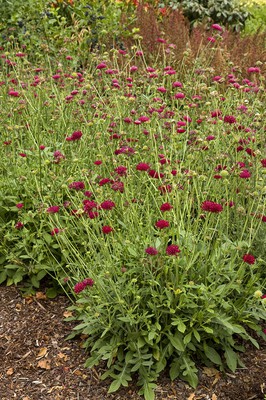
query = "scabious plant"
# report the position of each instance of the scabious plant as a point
(146, 207)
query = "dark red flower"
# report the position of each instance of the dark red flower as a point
(55, 231)
(152, 251)
(166, 207)
(161, 224)
(165, 189)
(143, 167)
(121, 170)
(80, 286)
(97, 162)
(172, 250)
(245, 174)
(104, 181)
(211, 206)
(107, 205)
(118, 186)
(263, 162)
(89, 205)
(76, 185)
(20, 205)
(75, 136)
(107, 229)
(229, 119)
(249, 259)
(53, 209)
(19, 225)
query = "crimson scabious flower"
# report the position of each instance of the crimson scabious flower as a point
(97, 162)
(19, 225)
(211, 206)
(161, 224)
(75, 136)
(161, 89)
(217, 27)
(166, 207)
(165, 189)
(89, 205)
(76, 185)
(55, 231)
(102, 65)
(121, 170)
(263, 162)
(93, 214)
(23, 155)
(142, 167)
(118, 186)
(172, 250)
(41, 147)
(53, 209)
(154, 174)
(249, 259)
(229, 119)
(80, 286)
(13, 93)
(58, 156)
(20, 205)
(107, 205)
(104, 181)
(107, 229)
(152, 251)
(245, 174)
(179, 95)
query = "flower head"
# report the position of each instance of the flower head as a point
(53, 209)
(161, 224)
(107, 205)
(172, 250)
(211, 206)
(107, 229)
(166, 207)
(249, 259)
(152, 251)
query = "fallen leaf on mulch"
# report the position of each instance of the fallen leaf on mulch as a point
(191, 397)
(44, 364)
(42, 353)
(40, 296)
(214, 397)
(210, 371)
(62, 356)
(67, 314)
(10, 371)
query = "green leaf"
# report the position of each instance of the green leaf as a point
(115, 385)
(3, 276)
(181, 327)
(35, 282)
(177, 341)
(132, 251)
(51, 293)
(231, 358)
(149, 391)
(212, 354)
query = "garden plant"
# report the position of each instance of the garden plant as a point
(136, 185)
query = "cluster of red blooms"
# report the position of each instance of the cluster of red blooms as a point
(75, 136)
(80, 286)
(211, 206)
(171, 250)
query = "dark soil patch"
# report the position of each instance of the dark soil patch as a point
(38, 364)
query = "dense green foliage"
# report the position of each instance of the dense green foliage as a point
(226, 12)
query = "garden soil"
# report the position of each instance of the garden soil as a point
(37, 363)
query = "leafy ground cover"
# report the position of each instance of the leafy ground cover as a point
(138, 186)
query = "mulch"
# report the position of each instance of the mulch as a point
(37, 363)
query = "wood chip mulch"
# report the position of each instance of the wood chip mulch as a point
(37, 363)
